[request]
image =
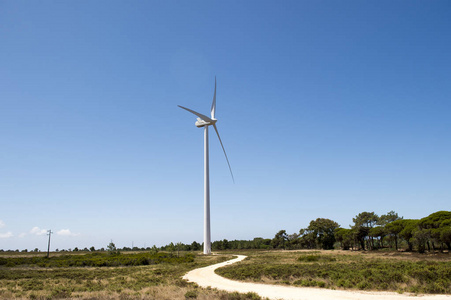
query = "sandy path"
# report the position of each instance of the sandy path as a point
(206, 277)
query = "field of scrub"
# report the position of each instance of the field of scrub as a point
(141, 275)
(378, 271)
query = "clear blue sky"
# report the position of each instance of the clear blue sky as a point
(326, 109)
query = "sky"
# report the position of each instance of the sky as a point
(326, 109)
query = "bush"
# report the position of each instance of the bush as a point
(191, 294)
(61, 293)
(309, 258)
(312, 258)
(238, 296)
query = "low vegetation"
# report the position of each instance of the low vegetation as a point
(107, 276)
(97, 259)
(380, 271)
(145, 275)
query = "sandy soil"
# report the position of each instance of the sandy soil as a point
(206, 277)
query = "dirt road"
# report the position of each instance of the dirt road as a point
(206, 277)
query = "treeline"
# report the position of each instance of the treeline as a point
(91, 249)
(371, 231)
(256, 243)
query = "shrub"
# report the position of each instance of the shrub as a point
(61, 293)
(238, 296)
(312, 258)
(309, 258)
(97, 260)
(191, 294)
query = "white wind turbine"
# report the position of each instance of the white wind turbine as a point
(204, 121)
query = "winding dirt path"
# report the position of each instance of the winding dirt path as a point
(206, 277)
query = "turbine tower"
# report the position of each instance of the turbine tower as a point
(204, 121)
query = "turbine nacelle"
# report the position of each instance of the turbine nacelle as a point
(201, 123)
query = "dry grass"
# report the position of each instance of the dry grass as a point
(162, 281)
(378, 270)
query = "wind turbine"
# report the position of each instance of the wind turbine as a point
(204, 121)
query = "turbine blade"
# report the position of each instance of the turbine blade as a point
(203, 117)
(216, 129)
(213, 105)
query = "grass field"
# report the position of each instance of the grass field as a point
(380, 271)
(31, 276)
(143, 275)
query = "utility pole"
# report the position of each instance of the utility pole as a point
(49, 233)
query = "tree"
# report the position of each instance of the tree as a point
(112, 250)
(92, 249)
(363, 222)
(445, 236)
(323, 231)
(393, 229)
(420, 237)
(381, 231)
(280, 240)
(260, 243)
(307, 239)
(292, 241)
(408, 228)
(195, 246)
(366, 219)
(438, 225)
(344, 237)
(391, 216)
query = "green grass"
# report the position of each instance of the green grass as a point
(329, 269)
